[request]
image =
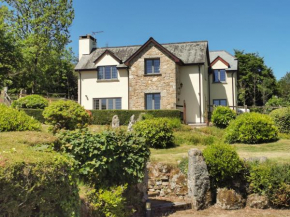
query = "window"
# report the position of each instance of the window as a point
(219, 75)
(107, 103)
(222, 102)
(107, 72)
(152, 66)
(152, 101)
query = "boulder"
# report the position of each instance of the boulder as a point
(258, 201)
(229, 199)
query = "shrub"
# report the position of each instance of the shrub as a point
(104, 117)
(251, 128)
(157, 132)
(31, 102)
(273, 180)
(35, 113)
(281, 117)
(109, 202)
(183, 165)
(223, 163)
(108, 158)
(66, 115)
(192, 138)
(222, 116)
(44, 188)
(14, 120)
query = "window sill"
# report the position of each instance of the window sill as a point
(157, 74)
(108, 80)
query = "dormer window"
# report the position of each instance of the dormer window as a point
(152, 66)
(107, 73)
(219, 76)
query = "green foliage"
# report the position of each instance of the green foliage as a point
(14, 120)
(281, 118)
(35, 113)
(251, 128)
(276, 102)
(222, 116)
(273, 180)
(44, 188)
(256, 82)
(183, 165)
(109, 202)
(66, 115)
(284, 87)
(31, 102)
(104, 117)
(193, 138)
(223, 163)
(157, 132)
(108, 158)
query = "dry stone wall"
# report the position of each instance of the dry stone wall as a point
(140, 84)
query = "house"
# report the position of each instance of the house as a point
(156, 76)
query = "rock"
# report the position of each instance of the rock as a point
(258, 201)
(229, 199)
(164, 178)
(165, 183)
(131, 123)
(115, 121)
(198, 180)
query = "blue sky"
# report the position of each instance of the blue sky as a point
(261, 26)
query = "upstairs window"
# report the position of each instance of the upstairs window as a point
(107, 72)
(108, 103)
(152, 101)
(218, 102)
(219, 75)
(152, 66)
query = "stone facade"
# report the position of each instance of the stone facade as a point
(163, 83)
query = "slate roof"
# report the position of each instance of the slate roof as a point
(232, 60)
(187, 52)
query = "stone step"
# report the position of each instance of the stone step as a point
(163, 208)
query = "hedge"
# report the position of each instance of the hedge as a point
(104, 117)
(34, 182)
(36, 113)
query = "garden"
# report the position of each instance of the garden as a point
(60, 160)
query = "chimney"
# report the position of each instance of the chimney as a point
(86, 44)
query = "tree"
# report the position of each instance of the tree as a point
(256, 81)
(10, 55)
(42, 28)
(284, 87)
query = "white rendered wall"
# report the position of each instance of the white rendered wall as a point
(85, 46)
(92, 88)
(189, 77)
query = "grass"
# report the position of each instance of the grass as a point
(19, 147)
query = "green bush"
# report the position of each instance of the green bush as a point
(108, 158)
(35, 113)
(157, 132)
(104, 117)
(31, 102)
(251, 128)
(223, 163)
(222, 116)
(281, 117)
(183, 165)
(14, 120)
(66, 115)
(271, 179)
(109, 202)
(44, 188)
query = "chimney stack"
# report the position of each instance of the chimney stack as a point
(86, 44)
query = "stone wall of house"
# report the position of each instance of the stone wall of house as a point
(166, 181)
(140, 84)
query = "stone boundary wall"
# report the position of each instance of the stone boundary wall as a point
(166, 181)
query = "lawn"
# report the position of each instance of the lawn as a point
(199, 138)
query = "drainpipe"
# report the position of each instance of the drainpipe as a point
(199, 93)
(80, 76)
